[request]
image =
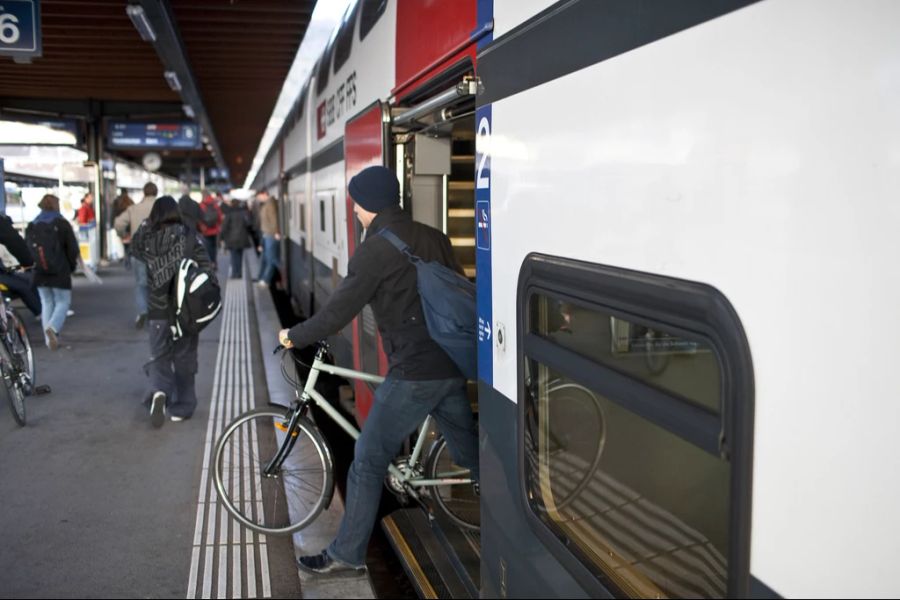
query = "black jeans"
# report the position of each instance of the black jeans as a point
(237, 262)
(172, 367)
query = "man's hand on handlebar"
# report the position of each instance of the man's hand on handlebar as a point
(283, 338)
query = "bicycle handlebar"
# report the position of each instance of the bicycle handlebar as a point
(320, 345)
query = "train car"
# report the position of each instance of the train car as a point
(666, 207)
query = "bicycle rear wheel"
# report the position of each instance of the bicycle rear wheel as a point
(578, 442)
(11, 386)
(458, 501)
(291, 497)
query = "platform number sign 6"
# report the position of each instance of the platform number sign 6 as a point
(9, 28)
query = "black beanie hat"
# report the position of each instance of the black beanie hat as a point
(375, 189)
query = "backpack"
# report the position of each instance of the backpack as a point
(43, 241)
(448, 301)
(198, 297)
(209, 215)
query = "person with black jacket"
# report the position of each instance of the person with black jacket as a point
(236, 234)
(190, 211)
(421, 378)
(19, 285)
(57, 252)
(160, 244)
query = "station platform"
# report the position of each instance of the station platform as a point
(98, 503)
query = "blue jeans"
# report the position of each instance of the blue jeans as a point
(142, 289)
(400, 407)
(54, 306)
(210, 243)
(270, 260)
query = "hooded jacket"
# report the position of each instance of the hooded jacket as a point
(379, 275)
(162, 250)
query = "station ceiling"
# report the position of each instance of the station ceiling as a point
(95, 64)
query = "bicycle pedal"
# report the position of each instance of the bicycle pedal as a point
(40, 390)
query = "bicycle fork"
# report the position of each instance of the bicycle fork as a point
(292, 431)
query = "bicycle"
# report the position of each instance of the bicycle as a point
(574, 434)
(16, 357)
(262, 470)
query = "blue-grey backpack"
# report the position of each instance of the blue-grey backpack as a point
(448, 301)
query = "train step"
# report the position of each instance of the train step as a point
(441, 560)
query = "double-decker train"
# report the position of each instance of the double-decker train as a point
(681, 219)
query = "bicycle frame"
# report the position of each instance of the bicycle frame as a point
(309, 394)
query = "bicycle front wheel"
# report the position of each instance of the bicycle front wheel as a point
(11, 386)
(294, 493)
(22, 353)
(457, 500)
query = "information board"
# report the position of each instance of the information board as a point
(174, 135)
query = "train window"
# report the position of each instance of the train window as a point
(659, 357)
(324, 68)
(301, 101)
(322, 214)
(371, 12)
(343, 43)
(632, 436)
(333, 221)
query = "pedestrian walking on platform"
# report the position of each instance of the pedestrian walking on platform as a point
(126, 225)
(422, 379)
(210, 225)
(160, 243)
(52, 242)
(271, 236)
(190, 211)
(237, 235)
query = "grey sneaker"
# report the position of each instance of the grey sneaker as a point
(158, 409)
(52, 340)
(323, 564)
(140, 321)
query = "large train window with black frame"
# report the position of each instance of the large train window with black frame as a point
(324, 68)
(343, 43)
(625, 439)
(371, 12)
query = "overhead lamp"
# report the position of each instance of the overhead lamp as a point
(172, 80)
(188, 110)
(141, 23)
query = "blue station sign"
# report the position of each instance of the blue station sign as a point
(173, 135)
(20, 29)
(216, 173)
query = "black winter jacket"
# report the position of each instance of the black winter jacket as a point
(162, 250)
(236, 228)
(14, 242)
(379, 275)
(70, 249)
(190, 211)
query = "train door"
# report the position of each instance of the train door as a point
(364, 147)
(433, 142)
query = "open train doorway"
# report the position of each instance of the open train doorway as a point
(434, 158)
